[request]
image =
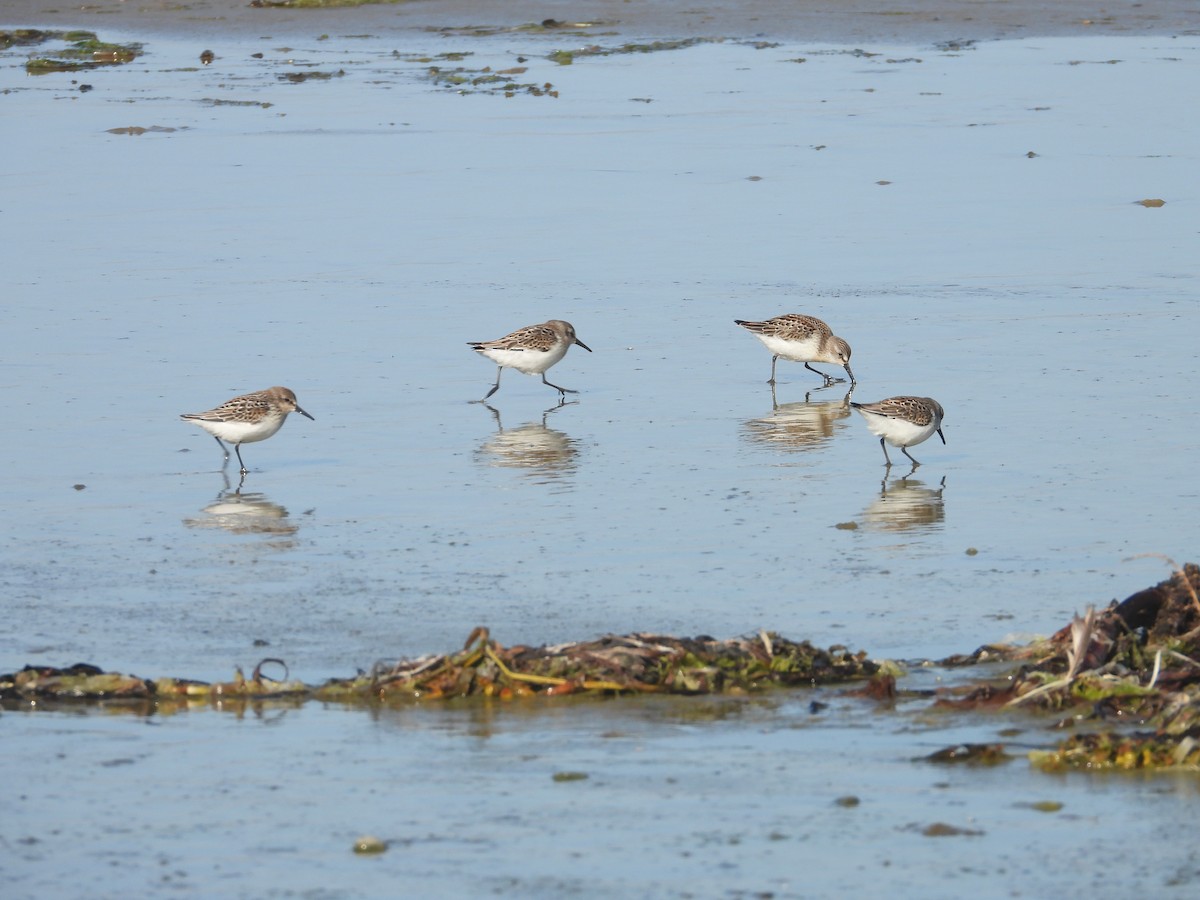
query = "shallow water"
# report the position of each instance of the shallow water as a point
(698, 798)
(349, 238)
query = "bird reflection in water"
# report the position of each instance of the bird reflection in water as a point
(799, 426)
(906, 504)
(546, 454)
(244, 513)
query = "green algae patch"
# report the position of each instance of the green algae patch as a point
(318, 4)
(567, 57)
(216, 101)
(462, 80)
(23, 37)
(483, 80)
(546, 26)
(1111, 751)
(971, 754)
(83, 50)
(301, 77)
(569, 776)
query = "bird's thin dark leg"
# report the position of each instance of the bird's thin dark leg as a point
(496, 386)
(238, 449)
(829, 379)
(904, 450)
(774, 359)
(224, 449)
(885, 453)
(561, 390)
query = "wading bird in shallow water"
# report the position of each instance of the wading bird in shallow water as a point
(246, 419)
(803, 339)
(531, 350)
(903, 422)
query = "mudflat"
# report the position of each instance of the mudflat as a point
(845, 21)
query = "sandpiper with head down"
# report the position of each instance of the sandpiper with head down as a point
(248, 418)
(803, 339)
(531, 350)
(903, 422)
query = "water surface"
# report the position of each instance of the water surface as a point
(965, 218)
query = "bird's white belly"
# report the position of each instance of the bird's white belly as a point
(531, 362)
(242, 432)
(796, 351)
(899, 432)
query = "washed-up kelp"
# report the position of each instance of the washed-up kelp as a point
(637, 663)
(1136, 662)
(85, 682)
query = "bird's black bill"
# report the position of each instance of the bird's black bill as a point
(583, 345)
(942, 436)
(303, 413)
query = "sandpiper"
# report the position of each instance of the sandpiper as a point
(903, 422)
(803, 339)
(248, 418)
(531, 350)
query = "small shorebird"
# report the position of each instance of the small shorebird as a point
(803, 339)
(531, 350)
(903, 422)
(246, 419)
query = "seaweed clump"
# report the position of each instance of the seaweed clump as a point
(1138, 661)
(567, 57)
(636, 663)
(629, 664)
(87, 683)
(84, 50)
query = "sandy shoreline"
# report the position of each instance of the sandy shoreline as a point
(920, 21)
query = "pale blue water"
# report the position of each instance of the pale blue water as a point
(348, 240)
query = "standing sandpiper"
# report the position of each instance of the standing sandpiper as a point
(903, 422)
(803, 339)
(246, 419)
(531, 350)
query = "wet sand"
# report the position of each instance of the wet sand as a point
(847, 21)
